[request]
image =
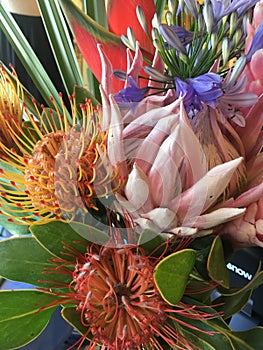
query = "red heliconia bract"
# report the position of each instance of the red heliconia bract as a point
(89, 34)
(118, 23)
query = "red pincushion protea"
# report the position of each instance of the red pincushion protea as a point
(115, 294)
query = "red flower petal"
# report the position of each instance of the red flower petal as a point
(122, 14)
(88, 34)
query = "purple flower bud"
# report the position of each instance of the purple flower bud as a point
(171, 37)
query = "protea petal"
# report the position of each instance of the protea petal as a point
(137, 190)
(122, 14)
(88, 34)
(255, 175)
(217, 217)
(250, 196)
(206, 191)
(251, 135)
(115, 141)
(247, 230)
(159, 219)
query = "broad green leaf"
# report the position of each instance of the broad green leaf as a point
(203, 334)
(172, 273)
(216, 269)
(56, 235)
(73, 318)
(21, 317)
(61, 44)
(218, 334)
(152, 243)
(199, 341)
(28, 58)
(24, 260)
(252, 337)
(230, 305)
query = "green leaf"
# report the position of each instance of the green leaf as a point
(216, 270)
(172, 273)
(160, 6)
(230, 305)
(24, 260)
(234, 299)
(55, 235)
(73, 318)
(252, 337)
(253, 284)
(21, 317)
(204, 334)
(96, 10)
(28, 58)
(61, 44)
(218, 334)
(152, 243)
(13, 227)
(198, 341)
(82, 94)
(6, 172)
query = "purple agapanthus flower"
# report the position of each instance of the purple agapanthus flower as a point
(131, 95)
(192, 102)
(222, 8)
(207, 88)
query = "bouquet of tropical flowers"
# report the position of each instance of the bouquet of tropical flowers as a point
(127, 198)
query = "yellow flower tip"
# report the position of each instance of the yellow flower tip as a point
(11, 111)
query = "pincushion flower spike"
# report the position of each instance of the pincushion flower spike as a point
(109, 293)
(10, 109)
(88, 33)
(56, 169)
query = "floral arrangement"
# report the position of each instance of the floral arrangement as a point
(127, 199)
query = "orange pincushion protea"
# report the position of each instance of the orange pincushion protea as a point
(10, 94)
(59, 167)
(113, 289)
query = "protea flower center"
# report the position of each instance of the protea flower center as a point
(117, 297)
(39, 171)
(82, 173)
